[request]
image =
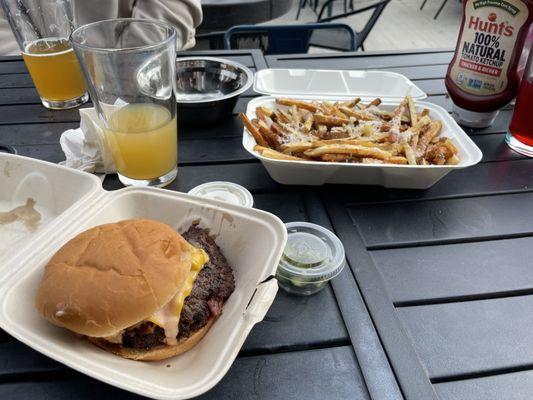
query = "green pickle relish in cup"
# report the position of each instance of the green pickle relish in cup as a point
(313, 255)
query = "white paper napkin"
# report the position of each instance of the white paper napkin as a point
(85, 148)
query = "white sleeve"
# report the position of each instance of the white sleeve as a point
(184, 15)
(8, 43)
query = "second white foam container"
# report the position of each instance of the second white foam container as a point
(252, 240)
(337, 85)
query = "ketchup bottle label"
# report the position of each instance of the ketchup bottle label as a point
(486, 45)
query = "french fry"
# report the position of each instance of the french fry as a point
(297, 147)
(414, 140)
(330, 110)
(427, 136)
(387, 115)
(398, 160)
(260, 149)
(424, 113)
(375, 102)
(260, 140)
(351, 103)
(412, 111)
(362, 142)
(421, 123)
(268, 134)
(394, 148)
(453, 160)
(295, 114)
(308, 124)
(278, 129)
(336, 157)
(263, 113)
(359, 115)
(326, 107)
(380, 137)
(281, 116)
(355, 150)
(330, 120)
(276, 155)
(448, 143)
(370, 160)
(297, 103)
(409, 154)
(266, 111)
(338, 113)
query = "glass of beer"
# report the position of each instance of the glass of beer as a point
(42, 29)
(130, 67)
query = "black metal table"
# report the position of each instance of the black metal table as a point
(437, 299)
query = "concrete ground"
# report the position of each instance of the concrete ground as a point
(401, 26)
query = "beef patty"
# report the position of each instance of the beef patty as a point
(212, 287)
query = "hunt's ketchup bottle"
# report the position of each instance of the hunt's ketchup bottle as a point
(482, 76)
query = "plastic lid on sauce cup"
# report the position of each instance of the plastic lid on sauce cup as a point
(312, 253)
(228, 192)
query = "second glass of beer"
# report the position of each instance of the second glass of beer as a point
(130, 67)
(42, 29)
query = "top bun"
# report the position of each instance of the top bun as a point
(113, 276)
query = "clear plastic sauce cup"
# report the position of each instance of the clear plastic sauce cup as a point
(313, 255)
(227, 192)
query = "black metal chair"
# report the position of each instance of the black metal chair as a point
(303, 3)
(322, 39)
(314, 4)
(283, 39)
(210, 41)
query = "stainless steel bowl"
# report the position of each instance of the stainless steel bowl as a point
(208, 88)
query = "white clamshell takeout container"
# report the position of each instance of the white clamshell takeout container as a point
(55, 189)
(391, 87)
(252, 241)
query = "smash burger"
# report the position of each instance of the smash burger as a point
(137, 288)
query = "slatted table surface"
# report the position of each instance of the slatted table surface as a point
(312, 348)
(437, 299)
(446, 273)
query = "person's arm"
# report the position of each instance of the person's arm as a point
(185, 15)
(8, 44)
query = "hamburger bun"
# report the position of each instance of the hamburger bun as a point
(156, 353)
(112, 276)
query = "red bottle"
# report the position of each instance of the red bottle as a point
(520, 135)
(482, 76)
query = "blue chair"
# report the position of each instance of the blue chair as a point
(282, 39)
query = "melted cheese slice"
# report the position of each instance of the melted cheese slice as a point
(168, 317)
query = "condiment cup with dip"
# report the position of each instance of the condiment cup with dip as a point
(312, 257)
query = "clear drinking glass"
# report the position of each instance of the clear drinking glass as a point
(42, 29)
(130, 66)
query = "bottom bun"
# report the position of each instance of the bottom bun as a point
(157, 353)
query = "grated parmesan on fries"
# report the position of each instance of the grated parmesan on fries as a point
(350, 132)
